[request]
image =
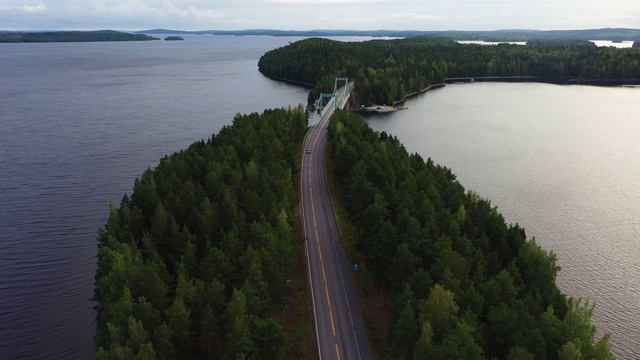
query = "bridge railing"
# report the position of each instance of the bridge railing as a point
(337, 96)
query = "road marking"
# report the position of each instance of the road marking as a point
(324, 275)
(326, 289)
(313, 137)
(333, 328)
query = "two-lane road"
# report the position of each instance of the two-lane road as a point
(339, 326)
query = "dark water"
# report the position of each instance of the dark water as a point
(562, 161)
(78, 123)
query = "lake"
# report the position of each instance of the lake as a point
(562, 161)
(80, 121)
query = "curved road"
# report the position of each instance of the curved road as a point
(340, 329)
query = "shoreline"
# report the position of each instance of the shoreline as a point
(288, 81)
(383, 109)
(430, 87)
(556, 81)
(505, 79)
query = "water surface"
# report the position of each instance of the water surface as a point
(78, 123)
(562, 161)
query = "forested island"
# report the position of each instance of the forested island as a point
(201, 260)
(387, 71)
(71, 36)
(173, 38)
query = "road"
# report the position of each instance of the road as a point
(340, 329)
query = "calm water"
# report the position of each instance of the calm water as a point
(564, 162)
(619, 45)
(78, 123)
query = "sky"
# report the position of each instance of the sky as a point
(425, 15)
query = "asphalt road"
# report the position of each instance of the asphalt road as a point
(340, 329)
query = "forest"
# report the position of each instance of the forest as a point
(463, 284)
(386, 71)
(195, 261)
(71, 36)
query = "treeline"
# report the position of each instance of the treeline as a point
(463, 284)
(386, 71)
(495, 35)
(560, 42)
(71, 36)
(194, 262)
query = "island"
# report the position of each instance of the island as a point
(173, 38)
(387, 72)
(72, 36)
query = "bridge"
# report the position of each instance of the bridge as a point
(340, 329)
(336, 100)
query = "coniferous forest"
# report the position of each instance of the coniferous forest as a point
(196, 261)
(71, 36)
(388, 70)
(192, 263)
(463, 284)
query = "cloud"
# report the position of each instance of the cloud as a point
(26, 8)
(31, 8)
(319, 2)
(317, 14)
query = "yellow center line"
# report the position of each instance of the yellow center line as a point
(333, 327)
(315, 224)
(326, 289)
(324, 276)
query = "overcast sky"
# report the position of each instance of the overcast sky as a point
(318, 14)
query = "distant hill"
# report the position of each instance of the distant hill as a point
(306, 33)
(616, 34)
(71, 36)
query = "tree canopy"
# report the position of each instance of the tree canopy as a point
(194, 261)
(463, 283)
(71, 36)
(387, 70)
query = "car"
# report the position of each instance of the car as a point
(308, 151)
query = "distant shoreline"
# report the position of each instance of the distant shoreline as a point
(556, 81)
(71, 36)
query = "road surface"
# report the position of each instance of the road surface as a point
(339, 326)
